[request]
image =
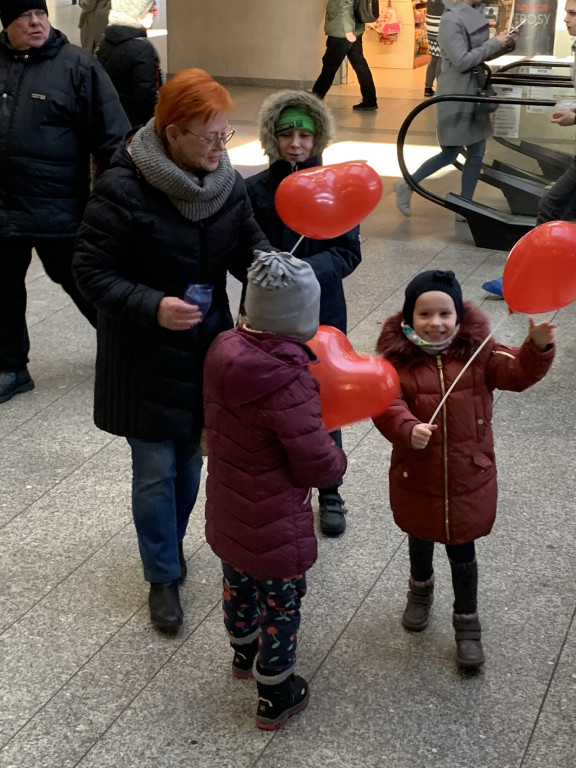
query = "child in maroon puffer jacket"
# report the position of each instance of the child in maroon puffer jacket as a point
(443, 484)
(267, 447)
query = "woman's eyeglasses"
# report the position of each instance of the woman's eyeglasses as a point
(213, 141)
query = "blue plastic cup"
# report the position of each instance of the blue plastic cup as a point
(199, 294)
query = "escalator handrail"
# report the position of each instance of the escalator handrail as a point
(530, 63)
(409, 119)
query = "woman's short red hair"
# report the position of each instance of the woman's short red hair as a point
(191, 93)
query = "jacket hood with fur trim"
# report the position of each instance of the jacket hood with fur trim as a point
(277, 102)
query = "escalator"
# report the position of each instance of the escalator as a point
(518, 167)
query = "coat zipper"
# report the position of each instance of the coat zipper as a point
(445, 449)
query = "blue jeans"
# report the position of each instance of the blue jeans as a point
(268, 610)
(165, 482)
(470, 173)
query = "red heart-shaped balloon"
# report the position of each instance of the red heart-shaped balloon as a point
(328, 201)
(540, 273)
(352, 387)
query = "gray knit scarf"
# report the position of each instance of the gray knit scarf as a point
(195, 198)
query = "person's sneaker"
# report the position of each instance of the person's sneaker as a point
(276, 703)
(429, 92)
(13, 383)
(332, 514)
(494, 287)
(363, 107)
(165, 609)
(403, 197)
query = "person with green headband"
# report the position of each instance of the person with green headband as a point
(295, 128)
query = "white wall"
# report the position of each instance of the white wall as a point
(252, 41)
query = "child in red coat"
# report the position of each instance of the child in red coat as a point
(443, 485)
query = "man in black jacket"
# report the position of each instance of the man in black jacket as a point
(57, 107)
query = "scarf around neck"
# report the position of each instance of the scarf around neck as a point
(195, 198)
(427, 346)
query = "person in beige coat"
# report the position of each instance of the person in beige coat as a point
(93, 22)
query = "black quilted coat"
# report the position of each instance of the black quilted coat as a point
(58, 107)
(134, 248)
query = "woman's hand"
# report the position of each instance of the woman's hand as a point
(177, 315)
(542, 334)
(351, 37)
(421, 434)
(507, 38)
(563, 117)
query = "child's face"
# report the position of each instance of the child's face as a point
(295, 146)
(434, 317)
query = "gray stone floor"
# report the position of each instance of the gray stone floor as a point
(85, 680)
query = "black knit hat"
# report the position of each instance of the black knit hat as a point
(11, 9)
(432, 280)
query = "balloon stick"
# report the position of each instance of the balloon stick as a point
(297, 244)
(457, 379)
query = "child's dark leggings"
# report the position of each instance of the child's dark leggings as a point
(266, 609)
(463, 565)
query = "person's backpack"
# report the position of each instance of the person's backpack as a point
(366, 11)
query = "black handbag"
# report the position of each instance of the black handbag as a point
(483, 107)
(483, 88)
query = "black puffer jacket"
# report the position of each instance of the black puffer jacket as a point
(332, 260)
(58, 106)
(132, 64)
(134, 248)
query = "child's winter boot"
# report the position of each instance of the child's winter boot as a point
(469, 653)
(420, 598)
(279, 701)
(243, 660)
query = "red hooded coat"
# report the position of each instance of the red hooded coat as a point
(267, 446)
(447, 492)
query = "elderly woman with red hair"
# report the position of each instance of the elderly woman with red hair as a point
(170, 211)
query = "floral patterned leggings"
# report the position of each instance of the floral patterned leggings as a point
(265, 609)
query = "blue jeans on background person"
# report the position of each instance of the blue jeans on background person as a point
(165, 482)
(470, 173)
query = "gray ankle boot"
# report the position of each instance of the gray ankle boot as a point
(469, 653)
(420, 598)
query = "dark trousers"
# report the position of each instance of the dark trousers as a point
(15, 256)
(337, 437)
(463, 565)
(559, 203)
(337, 49)
(264, 608)
(433, 70)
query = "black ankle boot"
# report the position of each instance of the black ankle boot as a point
(277, 703)
(420, 598)
(332, 514)
(183, 564)
(243, 660)
(165, 609)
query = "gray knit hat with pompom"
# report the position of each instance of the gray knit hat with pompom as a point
(282, 296)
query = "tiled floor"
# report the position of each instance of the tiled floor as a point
(84, 679)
